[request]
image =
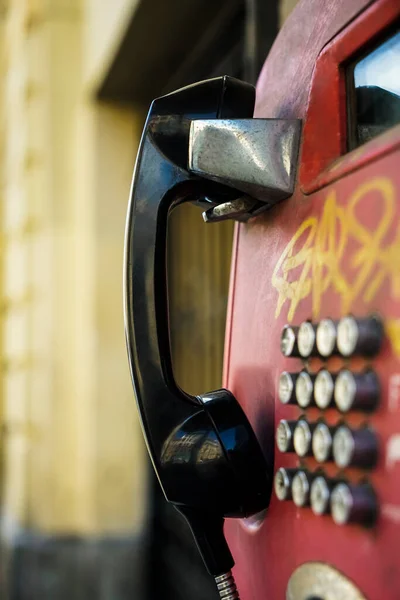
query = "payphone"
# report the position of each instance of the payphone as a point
(300, 452)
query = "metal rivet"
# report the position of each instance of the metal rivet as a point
(354, 448)
(301, 489)
(306, 339)
(322, 443)
(320, 496)
(283, 483)
(302, 438)
(286, 387)
(326, 337)
(284, 435)
(288, 341)
(304, 389)
(353, 504)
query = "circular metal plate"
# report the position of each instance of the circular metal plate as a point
(318, 580)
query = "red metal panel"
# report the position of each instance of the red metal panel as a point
(284, 84)
(326, 123)
(327, 254)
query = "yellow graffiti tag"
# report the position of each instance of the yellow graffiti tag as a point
(392, 328)
(312, 261)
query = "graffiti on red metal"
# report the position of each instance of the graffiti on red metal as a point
(313, 261)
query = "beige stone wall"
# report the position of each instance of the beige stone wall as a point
(121, 459)
(73, 452)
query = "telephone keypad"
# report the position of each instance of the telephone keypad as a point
(343, 390)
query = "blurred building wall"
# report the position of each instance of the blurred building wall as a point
(74, 471)
(105, 23)
(72, 451)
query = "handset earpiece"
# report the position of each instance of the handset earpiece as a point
(204, 451)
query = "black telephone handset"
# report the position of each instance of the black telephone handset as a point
(204, 451)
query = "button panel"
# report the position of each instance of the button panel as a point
(343, 390)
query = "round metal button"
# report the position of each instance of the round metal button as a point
(359, 336)
(353, 504)
(302, 438)
(356, 391)
(304, 389)
(343, 447)
(306, 339)
(323, 389)
(284, 435)
(283, 483)
(322, 443)
(347, 336)
(301, 488)
(320, 496)
(345, 390)
(288, 341)
(341, 503)
(286, 387)
(354, 447)
(326, 337)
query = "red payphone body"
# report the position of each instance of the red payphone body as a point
(312, 353)
(326, 258)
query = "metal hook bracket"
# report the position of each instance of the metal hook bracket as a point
(255, 156)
